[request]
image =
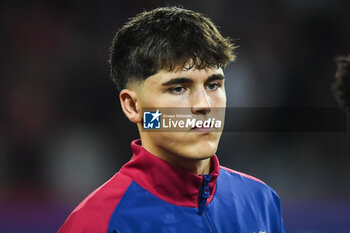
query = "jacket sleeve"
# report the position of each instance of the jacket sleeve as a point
(93, 214)
(276, 213)
(84, 221)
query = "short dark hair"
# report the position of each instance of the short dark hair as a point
(168, 38)
(341, 85)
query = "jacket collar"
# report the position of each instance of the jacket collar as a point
(166, 181)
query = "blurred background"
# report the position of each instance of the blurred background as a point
(62, 132)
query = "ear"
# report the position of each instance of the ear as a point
(129, 102)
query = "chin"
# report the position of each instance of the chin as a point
(189, 145)
(202, 149)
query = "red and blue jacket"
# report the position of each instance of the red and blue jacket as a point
(151, 195)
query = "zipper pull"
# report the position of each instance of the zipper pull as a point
(204, 194)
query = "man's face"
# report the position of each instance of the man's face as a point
(199, 91)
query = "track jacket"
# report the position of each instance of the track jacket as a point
(153, 196)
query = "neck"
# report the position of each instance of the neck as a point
(195, 166)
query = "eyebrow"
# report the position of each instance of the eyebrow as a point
(215, 77)
(183, 80)
(177, 81)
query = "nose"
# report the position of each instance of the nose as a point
(201, 102)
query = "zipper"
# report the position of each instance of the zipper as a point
(204, 194)
(206, 219)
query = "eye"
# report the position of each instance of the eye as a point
(177, 90)
(213, 86)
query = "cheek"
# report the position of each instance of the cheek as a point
(152, 98)
(169, 100)
(218, 99)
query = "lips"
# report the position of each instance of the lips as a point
(202, 129)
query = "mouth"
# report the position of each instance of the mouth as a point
(202, 129)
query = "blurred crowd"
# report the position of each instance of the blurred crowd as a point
(62, 132)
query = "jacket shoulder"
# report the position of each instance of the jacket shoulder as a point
(93, 213)
(242, 174)
(251, 183)
(253, 192)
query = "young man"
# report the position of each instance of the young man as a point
(170, 58)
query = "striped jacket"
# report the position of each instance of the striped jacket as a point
(151, 195)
